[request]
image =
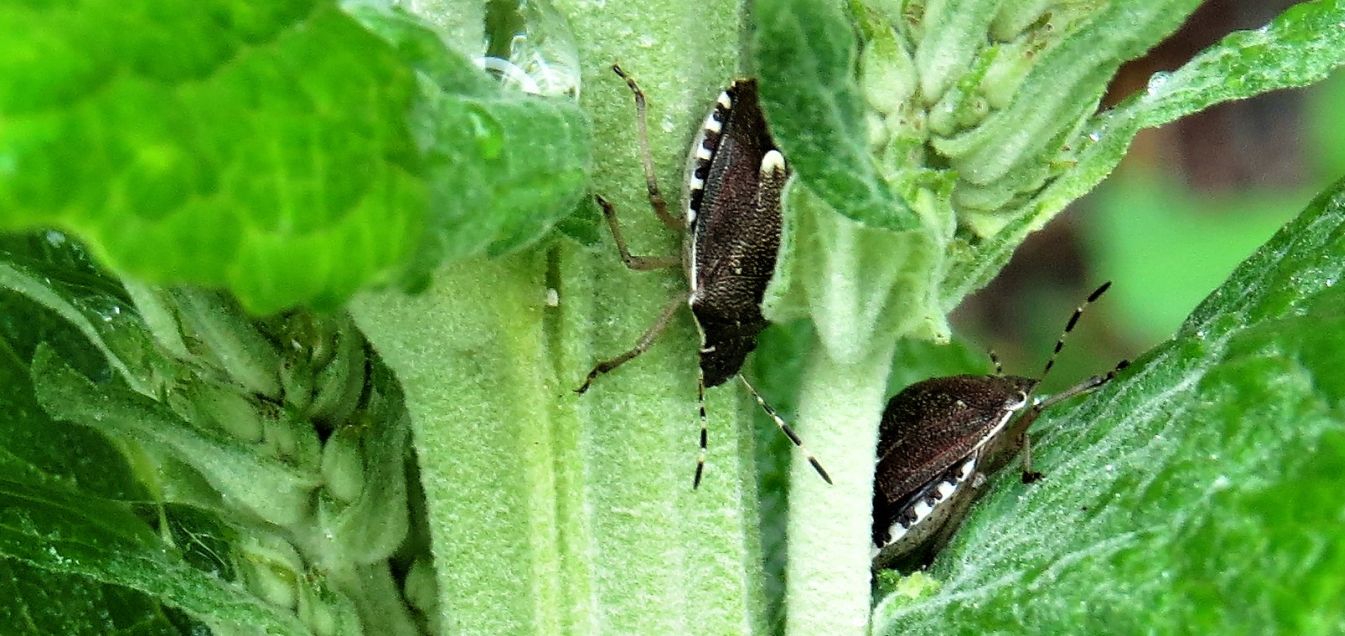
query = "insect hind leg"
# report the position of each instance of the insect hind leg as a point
(646, 340)
(639, 263)
(656, 199)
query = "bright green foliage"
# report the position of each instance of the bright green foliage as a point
(181, 140)
(280, 150)
(1197, 493)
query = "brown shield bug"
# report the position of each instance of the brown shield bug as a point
(731, 229)
(940, 438)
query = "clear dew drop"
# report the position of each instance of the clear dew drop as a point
(529, 46)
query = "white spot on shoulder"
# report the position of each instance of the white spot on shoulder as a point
(724, 100)
(773, 161)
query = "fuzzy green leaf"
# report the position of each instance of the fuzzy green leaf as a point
(805, 53)
(285, 152)
(218, 142)
(44, 602)
(63, 520)
(503, 167)
(1299, 47)
(1199, 492)
(74, 534)
(1065, 84)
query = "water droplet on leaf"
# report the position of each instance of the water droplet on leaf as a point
(529, 46)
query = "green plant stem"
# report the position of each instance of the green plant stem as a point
(828, 569)
(553, 513)
(471, 360)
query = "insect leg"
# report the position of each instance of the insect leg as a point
(656, 199)
(700, 401)
(1029, 475)
(1090, 384)
(640, 263)
(646, 340)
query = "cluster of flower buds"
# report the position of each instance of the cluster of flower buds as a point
(948, 86)
(298, 430)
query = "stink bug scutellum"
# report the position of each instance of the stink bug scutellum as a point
(732, 233)
(938, 440)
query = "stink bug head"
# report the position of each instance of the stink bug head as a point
(723, 357)
(938, 438)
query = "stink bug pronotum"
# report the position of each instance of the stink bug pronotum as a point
(938, 440)
(731, 236)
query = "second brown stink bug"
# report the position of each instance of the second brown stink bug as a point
(731, 228)
(938, 440)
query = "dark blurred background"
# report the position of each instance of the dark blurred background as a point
(1190, 201)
